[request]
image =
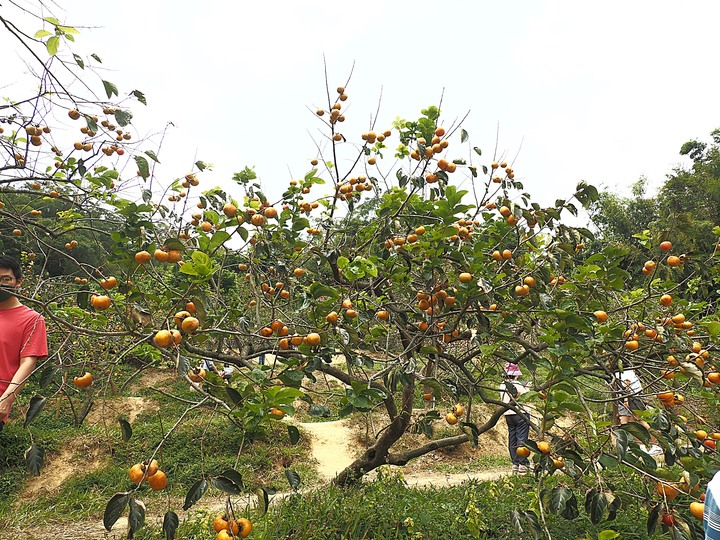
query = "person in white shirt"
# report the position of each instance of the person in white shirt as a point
(711, 513)
(518, 424)
(227, 372)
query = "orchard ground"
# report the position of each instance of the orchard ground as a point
(334, 445)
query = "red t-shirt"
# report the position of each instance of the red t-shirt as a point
(23, 334)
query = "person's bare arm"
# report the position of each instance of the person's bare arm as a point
(27, 366)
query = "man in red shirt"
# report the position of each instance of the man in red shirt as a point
(23, 339)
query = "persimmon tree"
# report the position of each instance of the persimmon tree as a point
(413, 254)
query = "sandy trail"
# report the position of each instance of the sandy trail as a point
(330, 442)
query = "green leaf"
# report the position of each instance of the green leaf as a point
(263, 501)
(52, 45)
(294, 434)
(638, 430)
(318, 290)
(713, 328)
(34, 458)
(234, 395)
(68, 30)
(561, 501)
(123, 118)
(110, 89)
(170, 524)
(528, 518)
(234, 476)
(217, 240)
(197, 490)
(36, 405)
(136, 517)
(96, 57)
(463, 135)
(47, 375)
(608, 534)
(52, 20)
(79, 61)
(139, 96)
(201, 165)
(126, 429)
(623, 439)
(143, 167)
(293, 478)
(474, 430)
(653, 518)
(184, 366)
(226, 485)
(42, 33)
(152, 156)
(114, 509)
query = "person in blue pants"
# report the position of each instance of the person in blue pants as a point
(518, 424)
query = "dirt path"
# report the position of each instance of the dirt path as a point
(331, 446)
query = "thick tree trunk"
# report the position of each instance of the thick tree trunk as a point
(379, 453)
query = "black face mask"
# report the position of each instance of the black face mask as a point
(5, 294)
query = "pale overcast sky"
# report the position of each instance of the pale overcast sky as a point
(604, 91)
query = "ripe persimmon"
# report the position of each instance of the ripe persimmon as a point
(229, 209)
(220, 523)
(697, 509)
(277, 413)
(137, 473)
(100, 302)
(522, 290)
(674, 261)
(163, 338)
(668, 491)
(142, 257)
(312, 339)
(196, 374)
(151, 467)
(158, 481)
(245, 527)
(190, 324)
(180, 316)
(465, 277)
(174, 255)
(84, 380)
(108, 283)
(543, 447)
